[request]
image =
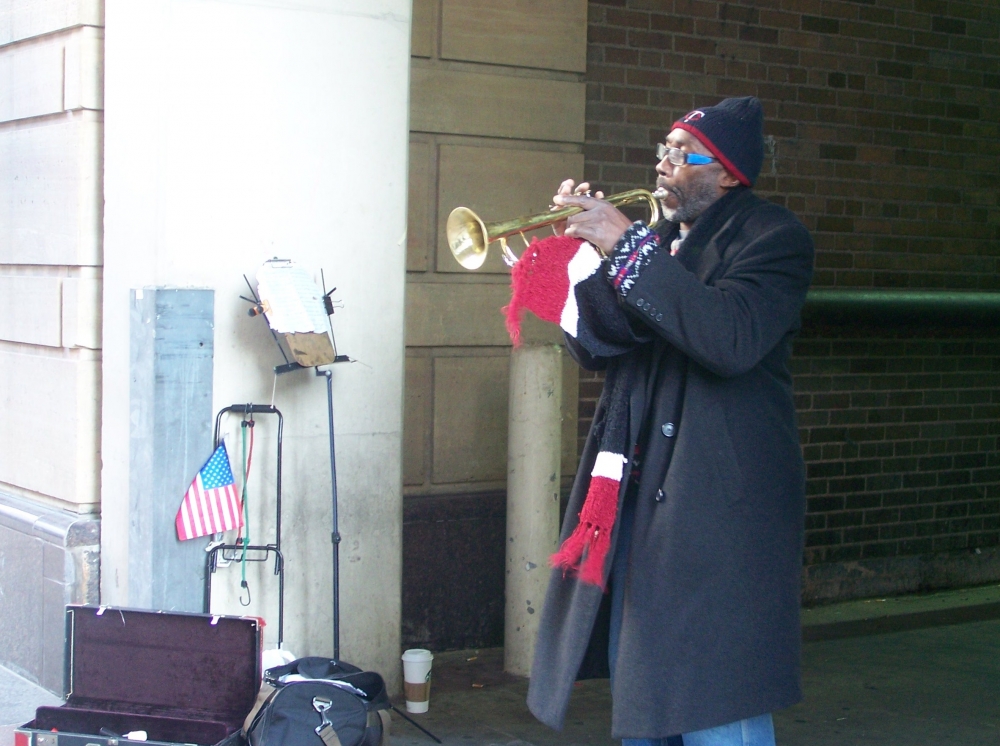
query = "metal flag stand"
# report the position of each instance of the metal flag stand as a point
(251, 552)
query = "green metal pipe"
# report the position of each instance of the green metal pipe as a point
(844, 306)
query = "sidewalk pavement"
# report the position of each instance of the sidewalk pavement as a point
(18, 700)
(921, 670)
(910, 671)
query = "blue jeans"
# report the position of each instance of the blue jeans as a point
(755, 731)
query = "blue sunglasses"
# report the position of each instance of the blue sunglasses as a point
(678, 157)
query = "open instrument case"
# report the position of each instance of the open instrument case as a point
(181, 678)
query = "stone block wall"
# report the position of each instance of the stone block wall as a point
(48, 558)
(497, 112)
(51, 283)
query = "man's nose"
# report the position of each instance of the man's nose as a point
(664, 167)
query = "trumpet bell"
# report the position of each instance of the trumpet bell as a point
(467, 237)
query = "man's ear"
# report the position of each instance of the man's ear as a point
(728, 181)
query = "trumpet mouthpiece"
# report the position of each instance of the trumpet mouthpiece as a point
(660, 193)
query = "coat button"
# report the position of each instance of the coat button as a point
(668, 429)
(640, 302)
(659, 317)
(660, 497)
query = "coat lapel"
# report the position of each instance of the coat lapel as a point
(701, 252)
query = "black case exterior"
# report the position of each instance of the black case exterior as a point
(182, 678)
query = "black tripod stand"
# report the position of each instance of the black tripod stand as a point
(335, 537)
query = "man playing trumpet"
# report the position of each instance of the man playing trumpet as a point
(680, 558)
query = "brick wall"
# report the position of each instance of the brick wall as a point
(884, 119)
(883, 125)
(899, 430)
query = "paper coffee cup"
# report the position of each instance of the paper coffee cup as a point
(417, 679)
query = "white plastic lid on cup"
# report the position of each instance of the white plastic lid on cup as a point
(417, 655)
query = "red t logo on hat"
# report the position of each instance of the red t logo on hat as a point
(694, 116)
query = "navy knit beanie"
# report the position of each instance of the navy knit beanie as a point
(733, 130)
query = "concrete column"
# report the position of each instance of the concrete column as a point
(533, 455)
(170, 438)
(184, 206)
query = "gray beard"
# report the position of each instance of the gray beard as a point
(691, 202)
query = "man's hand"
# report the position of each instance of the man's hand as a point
(600, 223)
(566, 189)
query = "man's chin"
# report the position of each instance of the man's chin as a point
(669, 205)
(668, 213)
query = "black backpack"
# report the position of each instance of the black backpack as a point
(337, 705)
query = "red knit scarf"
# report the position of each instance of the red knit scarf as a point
(560, 281)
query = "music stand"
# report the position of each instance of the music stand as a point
(297, 311)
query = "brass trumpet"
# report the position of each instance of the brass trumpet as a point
(469, 237)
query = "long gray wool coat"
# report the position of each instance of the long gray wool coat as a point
(710, 630)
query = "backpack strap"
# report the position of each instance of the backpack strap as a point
(328, 734)
(383, 715)
(379, 717)
(265, 695)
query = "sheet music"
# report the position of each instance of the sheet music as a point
(292, 301)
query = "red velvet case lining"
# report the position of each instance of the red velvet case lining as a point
(174, 730)
(179, 677)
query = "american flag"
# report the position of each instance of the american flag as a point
(212, 503)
